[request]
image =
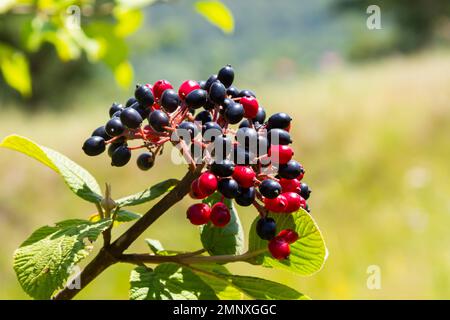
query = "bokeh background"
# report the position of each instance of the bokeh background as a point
(371, 111)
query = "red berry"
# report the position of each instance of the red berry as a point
(288, 235)
(250, 105)
(279, 248)
(199, 213)
(196, 192)
(294, 201)
(280, 154)
(244, 176)
(220, 215)
(159, 87)
(278, 204)
(187, 87)
(207, 183)
(290, 185)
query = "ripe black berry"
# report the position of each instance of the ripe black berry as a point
(144, 95)
(260, 116)
(234, 113)
(170, 100)
(305, 191)
(120, 156)
(225, 104)
(93, 146)
(270, 188)
(190, 127)
(228, 188)
(196, 98)
(101, 132)
(246, 93)
(291, 170)
(278, 137)
(247, 137)
(279, 120)
(131, 118)
(217, 92)
(143, 111)
(226, 75)
(266, 228)
(145, 161)
(210, 81)
(158, 120)
(113, 146)
(233, 92)
(245, 196)
(114, 127)
(130, 102)
(203, 117)
(210, 131)
(222, 148)
(202, 84)
(244, 124)
(114, 108)
(223, 168)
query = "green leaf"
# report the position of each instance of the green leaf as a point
(217, 14)
(15, 69)
(45, 260)
(128, 21)
(80, 181)
(148, 194)
(308, 254)
(168, 281)
(121, 216)
(228, 286)
(123, 73)
(226, 240)
(154, 245)
(135, 4)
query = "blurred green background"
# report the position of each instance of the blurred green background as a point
(372, 127)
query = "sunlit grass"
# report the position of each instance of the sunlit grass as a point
(374, 140)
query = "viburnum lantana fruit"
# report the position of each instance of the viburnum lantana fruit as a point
(247, 157)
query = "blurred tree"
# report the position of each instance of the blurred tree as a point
(47, 44)
(415, 21)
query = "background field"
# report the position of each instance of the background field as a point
(373, 137)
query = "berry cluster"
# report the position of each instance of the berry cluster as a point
(252, 163)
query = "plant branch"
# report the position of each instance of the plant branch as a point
(109, 255)
(188, 259)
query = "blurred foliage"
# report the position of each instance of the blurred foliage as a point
(77, 32)
(415, 25)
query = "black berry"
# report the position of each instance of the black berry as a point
(121, 156)
(130, 102)
(234, 113)
(226, 75)
(131, 118)
(266, 228)
(291, 170)
(158, 120)
(210, 131)
(260, 116)
(278, 136)
(233, 92)
(189, 127)
(223, 168)
(246, 93)
(114, 127)
(143, 111)
(203, 117)
(228, 188)
(245, 196)
(196, 98)
(170, 100)
(114, 108)
(101, 132)
(305, 191)
(279, 120)
(113, 146)
(270, 188)
(145, 161)
(210, 81)
(93, 146)
(144, 95)
(217, 92)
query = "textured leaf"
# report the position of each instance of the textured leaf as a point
(228, 286)
(80, 181)
(121, 216)
(148, 194)
(45, 260)
(15, 69)
(226, 240)
(168, 281)
(217, 14)
(308, 254)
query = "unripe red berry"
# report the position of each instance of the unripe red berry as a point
(278, 204)
(159, 87)
(294, 201)
(207, 183)
(244, 176)
(250, 105)
(279, 248)
(195, 191)
(290, 185)
(288, 235)
(187, 87)
(199, 213)
(280, 154)
(220, 215)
